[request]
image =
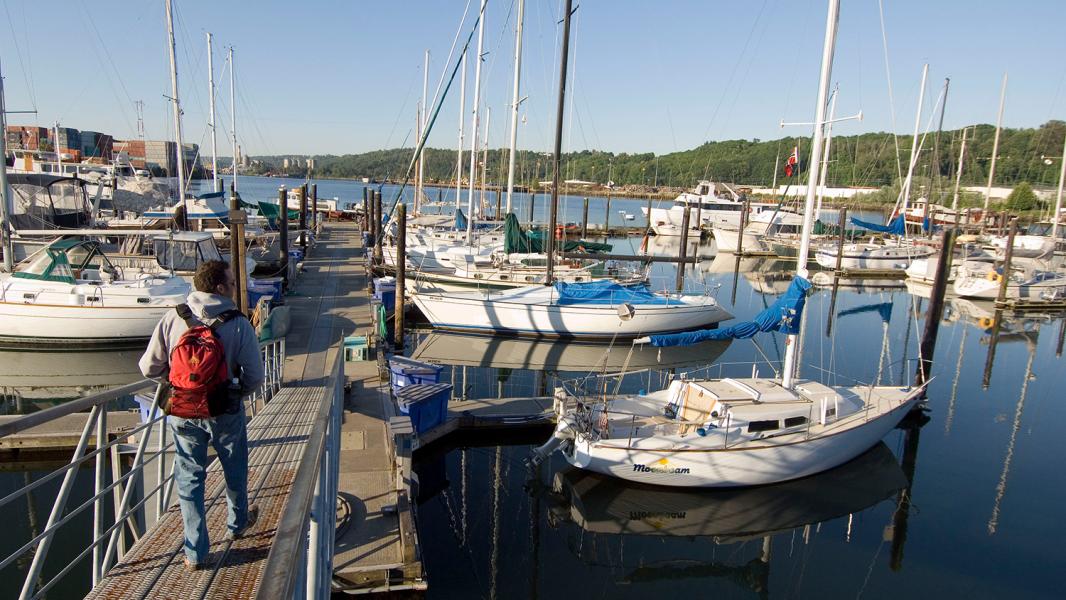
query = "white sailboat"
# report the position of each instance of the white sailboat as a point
(70, 293)
(710, 204)
(736, 432)
(597, 310)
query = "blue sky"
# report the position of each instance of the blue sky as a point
(343, 77)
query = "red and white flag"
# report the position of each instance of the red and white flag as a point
(792, 164)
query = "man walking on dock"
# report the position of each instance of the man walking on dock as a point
(208, 353)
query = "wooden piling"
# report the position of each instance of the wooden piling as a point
(607, 212)
(743, 224)
(401, 273)
(1008, 255)
(843, 219)
(585, 220)
(681, 251)
(936, 307)
(283, 233)
(499, 197)
(237, 218)
(366, 210)
(532, 206)
(377, 228)
(315, 222)
(993, 342)
(301, 192)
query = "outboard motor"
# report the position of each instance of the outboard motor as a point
(564, 434)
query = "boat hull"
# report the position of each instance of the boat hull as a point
(580, 321)
(772, 462)
(47, 324)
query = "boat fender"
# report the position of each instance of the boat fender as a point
(993, 276)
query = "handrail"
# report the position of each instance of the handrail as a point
(283, 569)
(122, 486)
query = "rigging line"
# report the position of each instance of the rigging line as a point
(18, 52)
(451, 52)
(436, 113)
(110, 61)
(888, 78)
(729, 83)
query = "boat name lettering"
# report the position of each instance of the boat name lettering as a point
(641, 515)
(666, 470)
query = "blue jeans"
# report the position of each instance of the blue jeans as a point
(228, 435)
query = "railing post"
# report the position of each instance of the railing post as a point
(98, 503)
(161, 469)
(30, 583)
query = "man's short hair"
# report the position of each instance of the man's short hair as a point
(210, 275)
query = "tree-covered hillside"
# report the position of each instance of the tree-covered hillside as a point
(867, 159)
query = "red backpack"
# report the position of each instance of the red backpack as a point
(199, 376)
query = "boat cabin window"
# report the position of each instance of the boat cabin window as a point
(794, 421)
(756, 426)
(177, 256)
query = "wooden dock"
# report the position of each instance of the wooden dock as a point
(376, 545)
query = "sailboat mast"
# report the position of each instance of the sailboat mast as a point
(6, 205)
(515, 100)
(553, 213)
(177, 109)
(423, 121)
(958, 172)
(1058, 196)
(825, 159)
(459, 154)
(474, 124)
(211, 100)
(789, 367)
(906, 194)
(995, 151)
(233, 114)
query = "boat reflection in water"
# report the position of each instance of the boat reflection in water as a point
(633, 526)
(32, 380)
(559, 355)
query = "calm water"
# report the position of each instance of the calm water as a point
(967, 504)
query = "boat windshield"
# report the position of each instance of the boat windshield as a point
(45, 267)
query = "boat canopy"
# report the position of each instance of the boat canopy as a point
(460, 220)
(894, 226)
(783, 315)
(516, 239)
(606, 292)
(64, 260)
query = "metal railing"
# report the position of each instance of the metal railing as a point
(300, 562)
(108, 543)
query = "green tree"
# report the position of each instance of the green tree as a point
(1022, 197)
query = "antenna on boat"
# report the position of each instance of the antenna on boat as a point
(789, 368)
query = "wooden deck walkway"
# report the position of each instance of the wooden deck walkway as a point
(373, 550)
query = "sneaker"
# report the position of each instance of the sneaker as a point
(253, 516)
(191, 566)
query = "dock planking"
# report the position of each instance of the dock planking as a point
(378, 537)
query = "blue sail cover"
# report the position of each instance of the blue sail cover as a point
(460, 220)
(605, 293)
(894, 226)
(783, 315)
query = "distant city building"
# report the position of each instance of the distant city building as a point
(285, 164)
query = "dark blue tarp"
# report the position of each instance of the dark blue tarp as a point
(606, 292)
(894, 226)
(783, 315)
(460, 220)
(884, 309)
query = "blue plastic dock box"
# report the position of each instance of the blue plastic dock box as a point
(425, 403)
(406, 371)
(385, 291)
(144, 403)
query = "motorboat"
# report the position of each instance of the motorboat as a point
(709, 204)
(766, 224)
(1023, 282)
(70, 293)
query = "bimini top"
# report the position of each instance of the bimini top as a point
(63, 259)
(606, 293)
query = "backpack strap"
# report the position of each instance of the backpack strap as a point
(225, 316)
(186, 315)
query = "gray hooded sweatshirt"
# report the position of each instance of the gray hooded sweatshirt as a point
(237, 335)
